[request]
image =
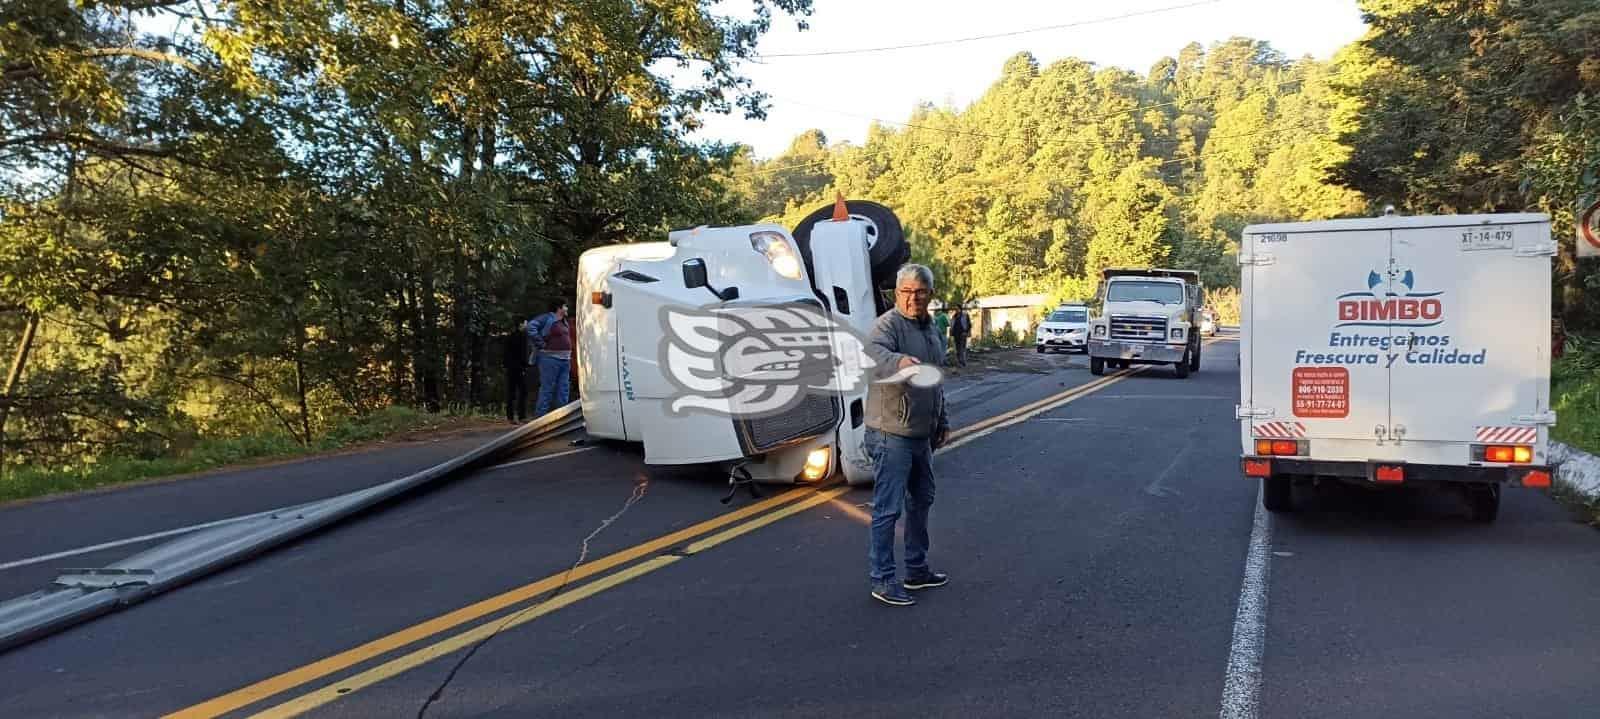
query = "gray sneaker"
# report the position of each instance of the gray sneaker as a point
(892, 594)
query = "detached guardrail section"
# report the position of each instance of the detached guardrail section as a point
(79, 595)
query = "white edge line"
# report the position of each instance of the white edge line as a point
(1241, 692)
(218, 523)
(131, 540)
(539, 458)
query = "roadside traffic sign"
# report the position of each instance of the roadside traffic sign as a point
(1589, 228)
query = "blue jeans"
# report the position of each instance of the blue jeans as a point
(902, 471)
(554, 376)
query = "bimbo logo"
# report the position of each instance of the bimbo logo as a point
(1390, 301)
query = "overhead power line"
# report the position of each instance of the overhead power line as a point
(975, 38)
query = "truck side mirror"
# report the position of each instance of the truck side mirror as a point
(694, 273)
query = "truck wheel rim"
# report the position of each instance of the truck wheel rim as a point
(872, 229)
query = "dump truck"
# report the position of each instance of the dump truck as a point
(1397, 351)
(1147, 316)
(740, 348)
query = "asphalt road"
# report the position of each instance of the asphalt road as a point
(1097, 551)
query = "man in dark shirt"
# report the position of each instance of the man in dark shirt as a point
(516, 364)
(960, 331)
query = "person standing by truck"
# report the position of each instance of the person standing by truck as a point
(941, 321)
(552, 336)
(906, 422)
(960, 330)
(516, 364)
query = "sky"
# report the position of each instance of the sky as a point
(841, 94)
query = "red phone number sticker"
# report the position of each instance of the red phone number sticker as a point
(1322, 392)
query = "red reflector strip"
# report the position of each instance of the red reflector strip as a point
(1280, 430)
(1536, 478)
(1257, 468)
(1389, 473)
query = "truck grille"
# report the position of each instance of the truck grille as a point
(1138, 328)
(816, 414)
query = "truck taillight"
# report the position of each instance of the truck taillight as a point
(1281, 447)
(1502, 453)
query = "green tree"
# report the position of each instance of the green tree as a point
(1472, 106)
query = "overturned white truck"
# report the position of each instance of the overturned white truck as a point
(738, 347)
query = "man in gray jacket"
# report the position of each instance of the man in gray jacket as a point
(906, 422)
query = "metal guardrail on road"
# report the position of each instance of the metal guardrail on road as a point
(79, 595)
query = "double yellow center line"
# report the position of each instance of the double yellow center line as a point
(687, 541)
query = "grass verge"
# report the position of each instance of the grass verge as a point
(1575, 391)
(30, 482)
(1575, 397)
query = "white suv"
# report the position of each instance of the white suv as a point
(1067, 328)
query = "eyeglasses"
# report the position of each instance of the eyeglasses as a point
(919, 294)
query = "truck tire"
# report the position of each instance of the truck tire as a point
(1097, 366)
(1277, 495)
(1485, 502)
(887, 248)
(1183, 366)
(1194, 363)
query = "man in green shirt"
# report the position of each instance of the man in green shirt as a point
(941, 321)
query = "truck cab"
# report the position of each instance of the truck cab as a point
(739, 347)
(1147, 316)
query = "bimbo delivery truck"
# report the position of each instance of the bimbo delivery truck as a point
(1397, 351)
(739, 347)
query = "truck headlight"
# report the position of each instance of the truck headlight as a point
(817, 462)
(1099, 330)
(1177, 333)
(778, 252)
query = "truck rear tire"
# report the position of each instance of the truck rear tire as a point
(887, 248)
(1485, 502)
(1277, 495)
(1097, 366)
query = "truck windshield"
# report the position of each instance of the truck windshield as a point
(1069, 316)
(1166, 293)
